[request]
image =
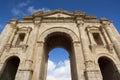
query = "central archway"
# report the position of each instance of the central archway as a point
(58, 65)
(63, 40)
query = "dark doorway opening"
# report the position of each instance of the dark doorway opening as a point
(10, 68)
(108, 69)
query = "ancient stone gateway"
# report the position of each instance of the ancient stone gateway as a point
(93, 46)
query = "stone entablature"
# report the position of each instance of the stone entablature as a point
(90, 42)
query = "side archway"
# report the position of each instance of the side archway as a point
(108, 69)
(10, 68)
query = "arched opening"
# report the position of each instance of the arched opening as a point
(61, 40)
(108, 69)
(10, 68)
(58, 65)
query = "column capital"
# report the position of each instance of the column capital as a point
(79, 20)
(105, 21)
(12, 25)
(80, 23)
(37, 24)
(29, 29)
(79, 13)
(14, 21)
(76, 41)
(40, 43)
(37, 20)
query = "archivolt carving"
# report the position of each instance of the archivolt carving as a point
(110, 56)
(58, 29)
(8, 56)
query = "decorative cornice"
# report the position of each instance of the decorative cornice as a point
(27, 18)
(105, 21)
(41, 13)
(46, 16)
(90, 17)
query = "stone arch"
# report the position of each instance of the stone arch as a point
(108, 55)
(10, 68)
(58, 29)
(59, 37)
(5, 58)
(108, 68)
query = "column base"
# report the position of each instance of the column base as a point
(93, 75)
(24, 74)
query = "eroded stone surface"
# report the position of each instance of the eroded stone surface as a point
(86, 38)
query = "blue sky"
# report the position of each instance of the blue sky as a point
(62, 53)
(18, 8)
(101, 8)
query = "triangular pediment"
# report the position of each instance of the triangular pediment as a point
(55, 13)
(58, 15)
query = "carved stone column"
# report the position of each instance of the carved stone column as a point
(9, 44)
(12, 36)
(92, 41)
(85, 45)
(79, 75)
(6, 34)
(38, 73)
(109, 44)
(31, 48)
(24, 43)
(26, 36)
(116, 43)
(23, 74)
(15, 39)
(89, 65)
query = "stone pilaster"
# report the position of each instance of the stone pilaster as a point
(31, 48)
(89, 65)
(84, 42)
(38, 73)
(15, 39)
(33, 35)
(79, 75)
(93, 75)
(9, 44)
(7, 32)
(26, 36)
(24, 74)
(116, 43)
(109, 44)
(12, 36)
(92, 41)
(46, 67)
(1, 67)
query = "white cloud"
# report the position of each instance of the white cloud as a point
(23, 4)
(23, 8)
(16, 11)
(60, 71)
(31, 9)
(51, 65)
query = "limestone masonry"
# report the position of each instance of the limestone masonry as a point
(93, 46)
